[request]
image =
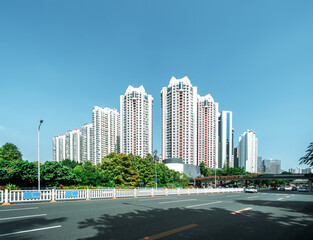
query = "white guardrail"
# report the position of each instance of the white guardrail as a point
(1, 196)
(18, 196)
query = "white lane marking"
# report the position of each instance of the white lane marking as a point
(153, 199)
(233, 196)
(18, 209)
(253, 197)
(29, 216)
(32, 230)
(178, 201)
(203, 204)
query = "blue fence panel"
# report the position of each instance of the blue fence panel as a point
(31, 195)
(71, 194)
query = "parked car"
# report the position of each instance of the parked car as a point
(303, 189)
(281, 189)
(294, 188)
(251, 189)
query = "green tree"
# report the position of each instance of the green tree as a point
(204, 170)
(10, 152)
(308, 158)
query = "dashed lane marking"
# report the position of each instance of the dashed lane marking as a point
(18, 209)
(26, 231)
(178, 201)
(203, 204)
(170, 232)
(29, 216)
(239, 211)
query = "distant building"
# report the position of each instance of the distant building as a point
(236, 157)
(260, 165)
(272, 166)
(207, 131)
(105, 134)
(179, 121)
(59, 148)
(226, 139)
(296, 170)
(248, 151)
(136, 117)
(73, 145)
(307, 170)
(87, 140)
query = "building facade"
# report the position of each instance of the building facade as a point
(59, 148)
(136, 122)
(272, 166)
(179, 121)
(73, 145)
(248, 151)
(86, 142)
(226, 139)
(207, 131)
(105, 133)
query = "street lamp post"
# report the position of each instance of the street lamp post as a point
(41, 121)
(215, 175)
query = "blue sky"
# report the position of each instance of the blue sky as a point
(58, 59)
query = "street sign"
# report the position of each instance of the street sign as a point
(156, 179)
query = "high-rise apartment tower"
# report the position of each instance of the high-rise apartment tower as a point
(136, 122)
(179, 121)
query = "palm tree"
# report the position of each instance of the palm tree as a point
(308, 158)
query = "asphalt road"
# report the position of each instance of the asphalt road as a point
(263, 215)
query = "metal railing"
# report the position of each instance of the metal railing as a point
(15, 196)
(1, 196)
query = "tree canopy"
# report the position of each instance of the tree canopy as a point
(10, 152)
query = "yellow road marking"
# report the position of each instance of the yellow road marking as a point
(170, 232)
(279, 198)
(239, 211)
(266, 202)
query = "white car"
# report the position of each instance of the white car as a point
(251, 189)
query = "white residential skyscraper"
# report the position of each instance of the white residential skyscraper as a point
(72, 145)
(87, 134)
(179, 121)
(248, 151)
(105, 133)
(59, 148)
(207, 131)
(136, 122)
(226, 134)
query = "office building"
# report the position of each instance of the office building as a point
(226, 139)
(179, 121)
(207, 131)
(136, 122)
(236, 157)
(272, 166)
(248, 151)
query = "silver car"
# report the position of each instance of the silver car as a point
(251, 189)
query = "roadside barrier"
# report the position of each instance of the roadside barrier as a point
(17, 196)
(1, 196)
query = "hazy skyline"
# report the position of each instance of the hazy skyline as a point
(59, 59)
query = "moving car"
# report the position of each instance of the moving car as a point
(251, 189)
(303, 189)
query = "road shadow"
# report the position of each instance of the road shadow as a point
(290, 206)
(12, 226)
(215, 223)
